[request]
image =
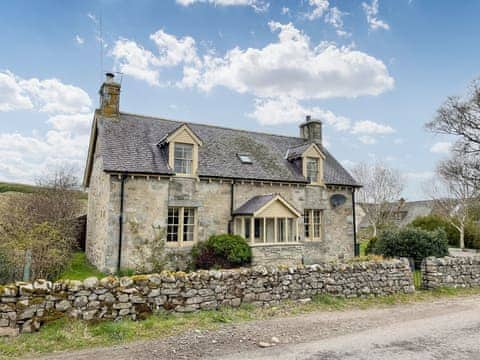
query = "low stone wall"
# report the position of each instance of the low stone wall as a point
(451, 272)
(26, 306)
(281, 254)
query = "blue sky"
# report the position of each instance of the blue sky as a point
(373, 71)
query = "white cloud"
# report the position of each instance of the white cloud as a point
(48, 95)
(319, 8)
(371, 12)
(293, 67)
(334, 17)
(25, 157)
(419, 175)
(12, 95)
(349, 164)
(371, 128)
(53, 96)
(284, 110)
(275, 111)
(367, 139)
(173, 50)
(257, 5)
(398, 141)
(132, 59)
(441, 147)
(77, 123)
(79, 40)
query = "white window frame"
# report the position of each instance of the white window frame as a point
(181, 226)
(311, 168)
(313, 224)
(186, 162)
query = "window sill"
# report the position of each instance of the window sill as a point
(186, 176)
(274, 244)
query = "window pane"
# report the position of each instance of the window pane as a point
(247, 229)
(183, 155)
(172, 224)
(317, 224)
(306, 222)
(258, 229)
(291, 231)
(281, 230)
(312, 169)
(188, 224)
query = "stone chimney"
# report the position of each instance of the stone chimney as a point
(311, 130)
(109, 96)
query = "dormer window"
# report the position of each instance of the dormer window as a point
(245, 158)
(312, 169)
(183, 145)
(183, 158)
(310, 159)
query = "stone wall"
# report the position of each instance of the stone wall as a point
(451, 272)
(279, 254)
(27, 306)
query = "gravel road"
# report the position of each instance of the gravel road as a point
(444, 329)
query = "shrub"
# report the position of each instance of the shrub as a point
(412, 243)
(370, 248)
(222, 251)
(434, 222)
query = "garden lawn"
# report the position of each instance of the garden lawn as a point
(80, 269)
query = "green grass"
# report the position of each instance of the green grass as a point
(67, 334)
(363, 245)
(29, 189)
(417, 279)
(80, 269)
(21, 188)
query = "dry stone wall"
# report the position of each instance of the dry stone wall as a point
(451, 272)
(26, 306)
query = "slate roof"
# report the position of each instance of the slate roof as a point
(253, 204)
(131, 144)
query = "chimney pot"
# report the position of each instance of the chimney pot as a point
(311, 130)
(109, 77)
(109, 96)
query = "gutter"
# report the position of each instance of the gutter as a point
(120, 222)
(232, 197)
(356, 248)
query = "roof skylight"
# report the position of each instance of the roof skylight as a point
(245, 158)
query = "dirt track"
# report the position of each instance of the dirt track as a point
(444, 329)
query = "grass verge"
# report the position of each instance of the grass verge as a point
(80, 269)
(66, 334)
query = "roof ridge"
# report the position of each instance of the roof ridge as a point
(210, 125)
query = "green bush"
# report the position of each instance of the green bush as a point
(222, 251)
(370, 248)
(413, 243)
(434, 222)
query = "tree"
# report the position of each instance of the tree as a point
(41, 224)
(461, 117)
(454, 192)
(380, 192)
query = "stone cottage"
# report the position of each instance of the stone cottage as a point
(151, 179)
